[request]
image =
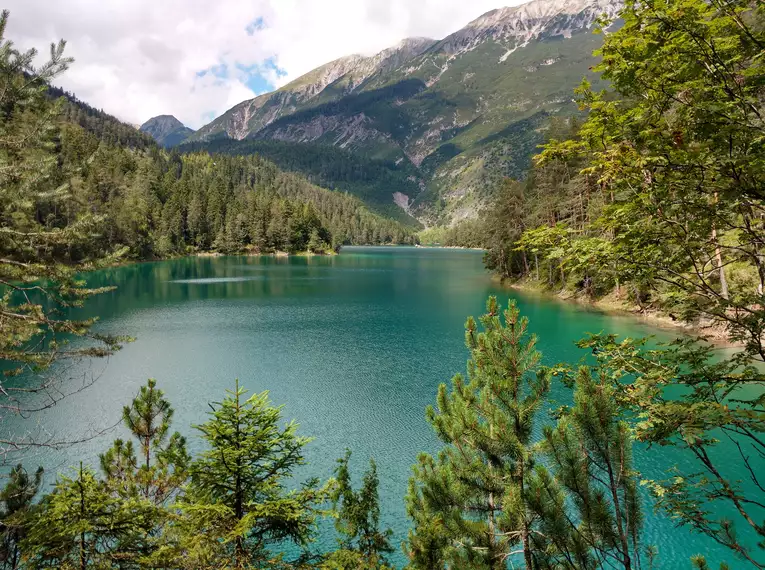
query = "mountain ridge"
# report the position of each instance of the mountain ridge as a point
(459, 112)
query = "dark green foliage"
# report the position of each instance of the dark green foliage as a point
(585, 495)
(82, 524)
(721, 401)
(16, 513)
(362, 544)
(237, 504)
(373, 181)
(472, 496)
(658, 198)
(122, 518)
(160, 205)
(494, 494)
(45, 237)
(103, 126)
(162, 468)
(468, 233)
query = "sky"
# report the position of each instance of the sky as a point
(197, 58)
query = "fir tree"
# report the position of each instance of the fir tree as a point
(236, 505)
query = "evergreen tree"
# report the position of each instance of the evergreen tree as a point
(236, 505)
(40, 244)
(585, 495)
(683, 222)
(82, 524)
(163, 463)
(475, 490)
(15, 516)
(362, 544)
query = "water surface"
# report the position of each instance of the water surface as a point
(353, 346)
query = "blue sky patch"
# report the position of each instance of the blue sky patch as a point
(253, 27)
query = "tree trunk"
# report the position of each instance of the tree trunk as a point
(527, 549)
(720, 267)
(238, 498)
(492, 536)
(718, 259)
(82, 515)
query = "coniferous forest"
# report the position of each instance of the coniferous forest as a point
(655, 197)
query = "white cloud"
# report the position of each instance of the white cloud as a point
(141, 58)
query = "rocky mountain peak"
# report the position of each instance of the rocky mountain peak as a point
(368, 102)
(166, 130)
(517, 25)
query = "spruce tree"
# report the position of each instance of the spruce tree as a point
(475, 489)
(82, 524)
(237, 504)
(17, 508)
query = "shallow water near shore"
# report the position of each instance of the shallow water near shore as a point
(354, 346)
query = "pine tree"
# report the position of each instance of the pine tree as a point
(362, 544)
(475, 489)
(162, 467)
(586, 493)
(236, 504)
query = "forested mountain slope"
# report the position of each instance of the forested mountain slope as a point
(334, 168)
(454, 115)
(155, 203)
(104, 126)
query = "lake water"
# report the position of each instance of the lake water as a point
(353, 346)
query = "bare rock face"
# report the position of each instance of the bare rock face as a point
(344, 75)
(518, 25)
(166, 130)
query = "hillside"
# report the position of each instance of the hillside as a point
(163, 204)
(453, 115)
(105, 127)
(334, 168)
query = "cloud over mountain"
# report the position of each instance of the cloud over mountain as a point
(195, 59)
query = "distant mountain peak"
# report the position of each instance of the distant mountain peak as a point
(517, 25)
(544, 9)
(166, 130)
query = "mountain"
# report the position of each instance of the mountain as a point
(105, 127)
(166, 130)
(453, 115)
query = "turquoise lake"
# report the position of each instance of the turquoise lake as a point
(354, 346)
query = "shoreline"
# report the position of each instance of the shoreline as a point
(713, 333)
(450, 247)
